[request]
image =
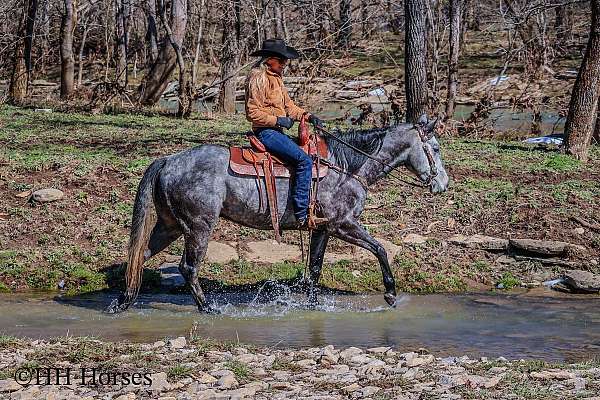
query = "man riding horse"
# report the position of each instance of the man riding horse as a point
(270, 110)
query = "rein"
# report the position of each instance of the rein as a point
(412, 181)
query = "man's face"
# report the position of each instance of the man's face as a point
(277, 64)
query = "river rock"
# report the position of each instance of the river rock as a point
(558, 375)
(220, 253)
(206, 379)
(307, 363)
(582, 281)
(9, 385)
(480, 242)
(227, 382)
(379, 350)
(269, 251)
(159, 382)
(47, 195)
(413, 238)
(170, 276)
(178, 343)
(542, 247)
(369, 391)
(350, 352)
(418, 361)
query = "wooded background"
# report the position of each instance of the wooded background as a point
(131, 49)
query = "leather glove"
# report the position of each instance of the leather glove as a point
(316, 121)
(285, 122)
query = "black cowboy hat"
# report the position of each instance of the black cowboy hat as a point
(276, 48)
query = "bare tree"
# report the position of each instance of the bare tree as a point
(85, 26)
(201, 12)
(67, 65)
(122, 8)
(345, 28)
(21, 74)
(584, 98)
(454, 42)
(415, 54)
(156, 80)
(151, 32)
(230, 57)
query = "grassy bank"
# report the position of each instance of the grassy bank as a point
(499, 188)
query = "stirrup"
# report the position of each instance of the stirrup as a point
(313, 222)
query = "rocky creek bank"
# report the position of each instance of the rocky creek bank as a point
(195, 368)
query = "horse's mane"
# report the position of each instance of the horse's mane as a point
(369, 141)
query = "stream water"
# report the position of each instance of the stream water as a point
(513, 326)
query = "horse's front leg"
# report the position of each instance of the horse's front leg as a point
(353, 233)
(196, 244)
(318, 243)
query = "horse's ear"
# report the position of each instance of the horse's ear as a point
(430, 127)
(423, 120)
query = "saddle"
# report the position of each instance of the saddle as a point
(256, 161)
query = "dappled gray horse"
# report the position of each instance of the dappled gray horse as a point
(192, 189)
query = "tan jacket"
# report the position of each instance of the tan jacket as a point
(267, 99)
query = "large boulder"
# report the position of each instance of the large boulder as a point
(582, 281)
(47, 195)
(542, 247)
(481, 242)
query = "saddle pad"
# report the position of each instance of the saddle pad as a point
(239, 165)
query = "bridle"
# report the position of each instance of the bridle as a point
(412, 181)
(425, 137)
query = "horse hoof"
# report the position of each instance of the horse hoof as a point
(390, 298)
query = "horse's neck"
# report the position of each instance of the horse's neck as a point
(392, 153)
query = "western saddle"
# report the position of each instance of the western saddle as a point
(255, 160)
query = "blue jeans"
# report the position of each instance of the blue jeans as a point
(284, 148)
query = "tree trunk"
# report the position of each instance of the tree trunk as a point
(21, 73)
(185, 102)
(45, 29)
(454, 43)
(596, 137)
(279, 21)
(122, 22)
(156, 80)
(151, 33)
(414, 67)
(559, 26)
(67, 65)
(86, 29)
(229, 58)
(584, 98)
(345, 34)
(198, 43)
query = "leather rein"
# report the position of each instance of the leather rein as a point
(412, 181)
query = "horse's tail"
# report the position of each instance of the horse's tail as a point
(141, 226)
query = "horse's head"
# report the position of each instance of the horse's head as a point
(424, 157)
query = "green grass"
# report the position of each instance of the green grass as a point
(497, 186)
(239, 369)
(178, 371)
(509, 281)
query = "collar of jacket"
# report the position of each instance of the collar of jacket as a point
(269, 72)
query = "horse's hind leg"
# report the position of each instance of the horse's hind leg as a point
(318, 243)
(163, 234)
(352, 232)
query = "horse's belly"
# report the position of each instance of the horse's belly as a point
(243, 203)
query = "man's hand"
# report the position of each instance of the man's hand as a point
(316, 121)
(285, 122)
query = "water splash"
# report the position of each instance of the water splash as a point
(275, 300)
